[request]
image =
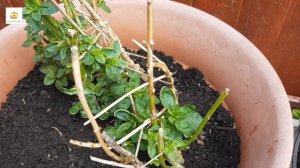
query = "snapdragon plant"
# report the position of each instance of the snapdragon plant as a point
(81, 55)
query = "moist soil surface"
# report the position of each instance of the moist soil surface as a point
(35, 126)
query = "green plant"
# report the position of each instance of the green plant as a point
(109, 84)
(296, 114)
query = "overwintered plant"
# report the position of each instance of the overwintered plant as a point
(81, 55)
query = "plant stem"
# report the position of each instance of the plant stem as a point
(150, 44)
(161, 147)
(162, 66)
(211, 111)
(139, 143)
(67, 16)
(150, 161)
(83, 101)
(112, 163)
(85, 144)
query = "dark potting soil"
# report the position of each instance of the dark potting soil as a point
(36, 127)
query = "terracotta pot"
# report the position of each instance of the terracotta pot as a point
(258, 101)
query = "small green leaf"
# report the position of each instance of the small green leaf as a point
(63, 52)
(48, 8)
(188, 108)
(125, 126)
(117, 122)
(134, 80)
(109, 53)
(37, 57)
(130, 147)
(173, 154)
(88, 59)
(103, 6)
(167, 97)
(117, 62)
(118, 88)
(36, 15)
(117, 47)
(100, 58)
(179, 142)
(49, 79)
(296, 113)
(48, 68)
(151, 149)
(125, 115)
(52, 48)
(27, 43)
(76, 107)
(189, 124)
(113, 52)
(113, 72)
(143, 107)
(83, 114)
(59, 86)
(37, 38)
(171, 132)
(152, 136)
(60, 73)
(125, 103)
(113, 133)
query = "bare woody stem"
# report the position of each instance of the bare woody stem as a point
(83, 101)
(150, 44)
(162, 66)
(67, 16)
(208, 115)
(161, 147)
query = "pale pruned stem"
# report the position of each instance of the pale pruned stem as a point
(133, 65)
(161, 146)
(129, 156)
(85, 144)
(123, 97)
(165, 82)
(162, 66)
(90, 10)
(82, 13)
(107, 40)
(150, 161)
(112, 163)
(94, 3)
(150, 44)
(62, 11)
(93, 32)
(89, 29)
(83, 101)
(136, 55)
(139, 142)
(145, 49)
(133, 105)
(137, 71)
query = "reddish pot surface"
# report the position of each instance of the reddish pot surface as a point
(258, 101)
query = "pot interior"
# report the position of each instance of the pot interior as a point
(257, 100)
